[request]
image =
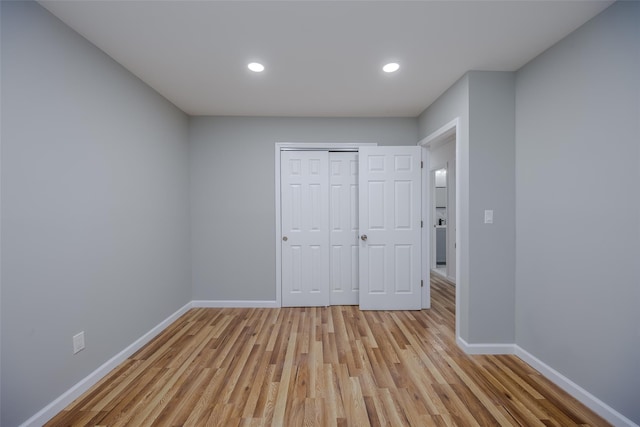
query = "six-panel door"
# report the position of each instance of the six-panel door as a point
(343, 225)
(328, 201)
(305, 228)
(390, 222)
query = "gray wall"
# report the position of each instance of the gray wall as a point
(577, 177)
(485, 103)
(98, 174)
(94, 208)
(492, 186)
(233, 193)
(452, 104)
(0, 217)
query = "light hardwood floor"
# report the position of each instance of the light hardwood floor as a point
(321, 366)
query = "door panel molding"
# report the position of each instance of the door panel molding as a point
(343, 228)
(286, 146)
(390, 228)
(305, 226)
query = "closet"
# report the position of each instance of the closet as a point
(319, 197)
(349, 225)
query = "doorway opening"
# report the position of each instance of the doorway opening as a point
(441, 223)
(441, 196)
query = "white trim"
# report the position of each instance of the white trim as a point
(278, 289)
(582, 395)
(485, 348)
(586, 398)
(279, 146)
(426, 225)
(234, 304)
(322, 145)
(65, 399)
(442, 133)
(445, 277)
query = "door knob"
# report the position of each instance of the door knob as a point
(285, 238)
(363, 237)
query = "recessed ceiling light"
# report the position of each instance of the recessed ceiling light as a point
(391, 67)
(256, 67)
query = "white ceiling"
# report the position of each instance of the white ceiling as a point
(322, 58)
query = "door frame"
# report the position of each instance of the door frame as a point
(440, 135)
(299, 146)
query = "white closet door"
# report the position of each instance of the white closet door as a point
(305, 228)
(343, 225)
(390, 246)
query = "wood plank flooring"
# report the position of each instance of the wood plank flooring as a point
(334, 366)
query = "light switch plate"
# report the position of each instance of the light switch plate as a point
(78, 342)
(488, 216)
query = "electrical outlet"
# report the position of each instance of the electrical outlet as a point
(78, 342)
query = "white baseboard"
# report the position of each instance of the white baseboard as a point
(53, 408)
(586, 398)
(485, 348)
(234, 304)
(64, 400)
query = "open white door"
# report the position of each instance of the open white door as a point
(390, 222)
(305, 228)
